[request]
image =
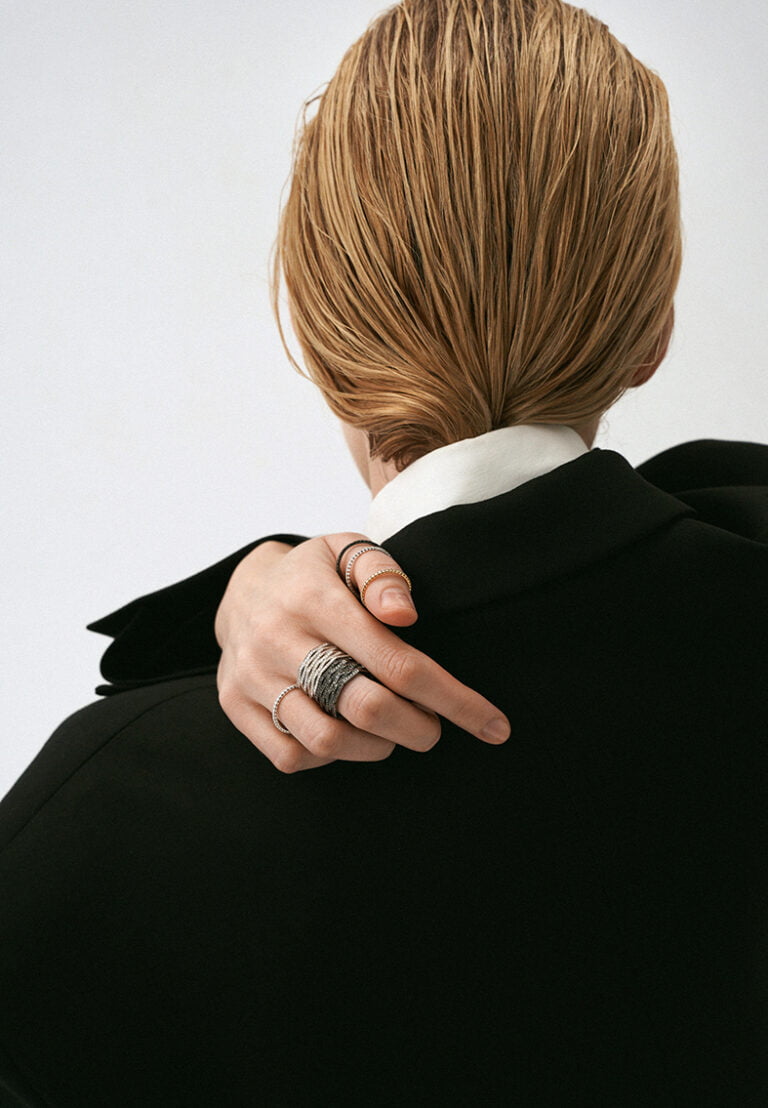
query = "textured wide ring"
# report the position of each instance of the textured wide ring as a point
(276, 706)
(383, 573)
(323, 674)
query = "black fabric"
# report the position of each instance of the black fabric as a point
(171, 630)
(577, 917)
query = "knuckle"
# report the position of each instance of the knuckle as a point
(312, 597)
(229, 695)
(367, 707)
(242, 671)
(313, 547)
(323, 738)
(431, 740)
(399, 667)
(288, 761)
(315, 553)
(264, 625)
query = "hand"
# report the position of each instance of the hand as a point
(280, 602)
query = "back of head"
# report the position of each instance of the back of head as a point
(483, 223)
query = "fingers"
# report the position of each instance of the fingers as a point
(328, 738)
(323, 739)
(379, 581)
(376, 710)
(420, 679)
(388, 597)
(373, 720)
(414, 676)
(283, 606)
(401, 668)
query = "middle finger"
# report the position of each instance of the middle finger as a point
(376, 710)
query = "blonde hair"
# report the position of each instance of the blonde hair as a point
(482, 227)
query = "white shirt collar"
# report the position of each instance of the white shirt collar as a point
(471, 470)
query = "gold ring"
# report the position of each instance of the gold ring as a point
(383, 573)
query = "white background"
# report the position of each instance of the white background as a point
(150, 421)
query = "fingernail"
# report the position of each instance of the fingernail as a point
(496, 731)
(395, 598)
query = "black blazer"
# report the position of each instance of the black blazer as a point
(577, 917)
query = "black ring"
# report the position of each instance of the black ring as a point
(357, 542)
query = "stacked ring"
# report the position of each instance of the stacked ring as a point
(358, 554)
(326, 669)
(343, 551)
(323, 674)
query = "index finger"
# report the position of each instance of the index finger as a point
(412, 674)
(419, 678)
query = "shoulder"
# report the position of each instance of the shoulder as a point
(708, 463)
(725, 483)
(109, 741)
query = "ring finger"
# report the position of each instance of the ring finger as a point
(326, 739)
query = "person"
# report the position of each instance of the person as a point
(481, 247)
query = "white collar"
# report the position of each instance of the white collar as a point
(471, 470)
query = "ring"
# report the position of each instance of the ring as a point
(276, 705)
(324, 672)
(384, 573)
(343, 551)
(358, 554)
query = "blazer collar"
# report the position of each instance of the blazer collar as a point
(465, 555)
(554, 525)
(468, 471)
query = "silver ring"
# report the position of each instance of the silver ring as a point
(276, 705)
(358, 554)
(324, 672)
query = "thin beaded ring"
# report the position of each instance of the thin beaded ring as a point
(343, 551)
(384, 573)
(276, 705)
(358, 554)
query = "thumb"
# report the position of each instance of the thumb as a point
(381, 584)
(388, 597)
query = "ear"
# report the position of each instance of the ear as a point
(644, 372)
